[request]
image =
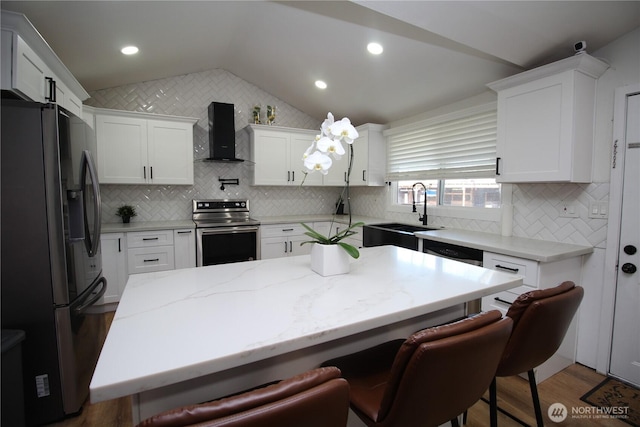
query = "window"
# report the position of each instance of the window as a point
(455, 146)
(473, 193)
(452, 155)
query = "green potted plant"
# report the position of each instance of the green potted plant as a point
(126, 212)
(330, 255)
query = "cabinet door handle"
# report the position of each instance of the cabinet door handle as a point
(504, 301)
(498, 166)
(288, 176)
(151, 171)
(515, 270)
(119, 247)
(184, 232)
(364, 171)
(293, 176)
(52, 89)
(345, 177)
(144, 172)
(152, 260)
(150, 238)
(285, 247)
(290, 246)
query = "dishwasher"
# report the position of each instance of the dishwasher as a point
(456, 253)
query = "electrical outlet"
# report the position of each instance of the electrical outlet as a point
(568, 211)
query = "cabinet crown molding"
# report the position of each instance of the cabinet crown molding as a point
(141, 115)
(19, 24)
(582, 63)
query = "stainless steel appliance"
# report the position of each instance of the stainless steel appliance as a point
(225, 232)
(451, 251)
(51, 263)
(458, 253)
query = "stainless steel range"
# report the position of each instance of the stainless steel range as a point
(225, 232)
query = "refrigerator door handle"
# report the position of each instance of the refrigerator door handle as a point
(89, 166)
(88, 297)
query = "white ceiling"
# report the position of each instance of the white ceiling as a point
(436, 52)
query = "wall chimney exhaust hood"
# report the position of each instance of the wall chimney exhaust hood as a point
(222, 133)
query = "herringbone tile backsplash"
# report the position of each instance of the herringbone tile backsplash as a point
(537, 207)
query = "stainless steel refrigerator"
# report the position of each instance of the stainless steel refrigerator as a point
(51, 264)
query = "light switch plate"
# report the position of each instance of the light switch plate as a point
(598, 209)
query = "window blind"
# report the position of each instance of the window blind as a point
(460, 146)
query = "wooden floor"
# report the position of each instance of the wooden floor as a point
(566, 387)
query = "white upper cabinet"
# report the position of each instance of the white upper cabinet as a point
(369, 159)
(276, 153)
(32, 70)
(545, 122)
(139, 148)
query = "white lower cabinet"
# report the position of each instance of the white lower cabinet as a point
(149, 251)
(537, 275)
(143, 252)
(282, 240)
(114, 266)
(184, 243)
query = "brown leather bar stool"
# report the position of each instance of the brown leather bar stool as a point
(540, 322)
(429, 378)
(317, 398)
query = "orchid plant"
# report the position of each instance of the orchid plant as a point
(320, 156)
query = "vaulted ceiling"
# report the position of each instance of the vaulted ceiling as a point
(435, 52)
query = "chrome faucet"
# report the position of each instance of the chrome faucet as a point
(422, 217)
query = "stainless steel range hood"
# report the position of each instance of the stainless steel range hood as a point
(222, 133)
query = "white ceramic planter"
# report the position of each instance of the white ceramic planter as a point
(329, 260)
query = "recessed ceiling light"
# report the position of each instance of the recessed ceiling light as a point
(129, 50)
(320, 84)
(375, 48)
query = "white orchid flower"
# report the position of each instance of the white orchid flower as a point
(344, 131)
(318, 162)
(309, 150)
(326, 124)
(331, 146)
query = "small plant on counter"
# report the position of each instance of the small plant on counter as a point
(126, 212)
(318, 157)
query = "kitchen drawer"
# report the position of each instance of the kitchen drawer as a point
(145, 260)
(526, 268)
(144, 239)
(500, 301)
(275, 230)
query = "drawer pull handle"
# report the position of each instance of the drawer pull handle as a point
(515, 270)
(150, 238)
(502, 300)
(184, 232)
(287, 229)
(152, 260)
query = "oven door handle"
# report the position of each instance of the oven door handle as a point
(226, 230)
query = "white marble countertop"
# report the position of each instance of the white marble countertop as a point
(177, 325)
(118, 227)
(537, 250)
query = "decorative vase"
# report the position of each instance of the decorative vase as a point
(329, 260)
(126, 219)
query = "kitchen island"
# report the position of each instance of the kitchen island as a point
(186, 336)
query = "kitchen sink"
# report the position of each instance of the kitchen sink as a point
(392, 233)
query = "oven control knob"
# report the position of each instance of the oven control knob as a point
(243, 204)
